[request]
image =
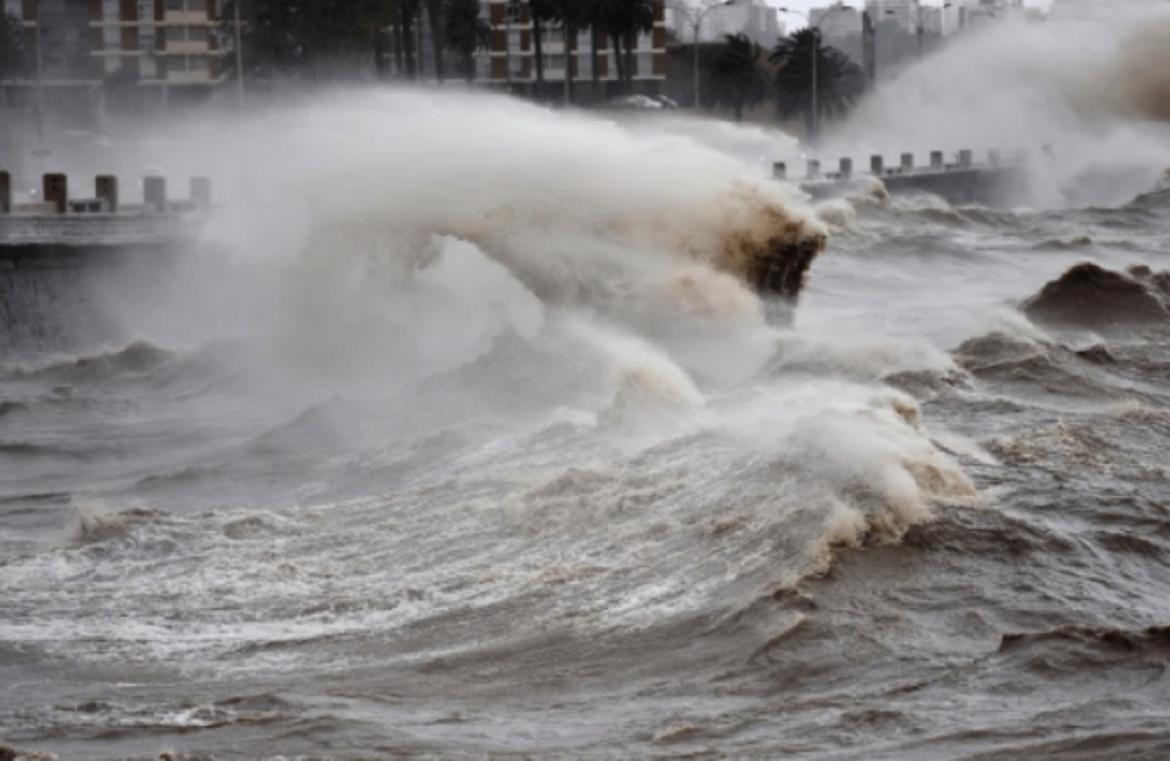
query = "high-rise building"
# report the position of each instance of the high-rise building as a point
(510, 62)
(754, 19)
(903, 12)
(159, 43)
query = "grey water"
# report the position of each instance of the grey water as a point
(473, 463)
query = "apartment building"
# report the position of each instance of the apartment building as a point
(166, 47)
(510, 63)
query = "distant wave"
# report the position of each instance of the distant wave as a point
(1088, 295)
(135, 358)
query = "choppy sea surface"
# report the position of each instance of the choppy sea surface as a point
(457, 513)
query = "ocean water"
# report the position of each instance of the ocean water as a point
(460, 434)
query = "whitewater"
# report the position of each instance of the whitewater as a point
(469, 428)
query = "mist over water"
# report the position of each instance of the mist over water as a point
(1090, 83)
(463, 429)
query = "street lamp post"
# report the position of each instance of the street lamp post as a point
(40, 73)
(697, 15)
(239, 54)
(815, 121)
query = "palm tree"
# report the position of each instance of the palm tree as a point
(640, 19)
(589, 12)
(737, 79)
(466, 32)
(840, 82)
(542, 11)
(435, 14)
(622, 20)
(572, 14)
(406, 16)
(10, 45)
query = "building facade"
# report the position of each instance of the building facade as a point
(167, 46)
(903, 12)
(510, 62)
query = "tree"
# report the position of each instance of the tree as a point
(590, 13)
(435, 15)
(640, 19)
(737, 79)
(840, 82)
(622, 20)
(542, 11)
(11, 57)
(466, 32)
(294, 37)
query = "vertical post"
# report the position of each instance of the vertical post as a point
(40, 65)
(106, 190)
(868, 48)
(779, 171)
(55, 190)
(5, 193)
(919, 28)
(966, 158)
(816, 112)
(877, 165)
(994, 158)
(936, 159)
(907, 162)
(695, 45)
(814, 169)
(201, 193)
(154, 194)
(507, 50)
(846, 168)
(239, 55)
(568, 67)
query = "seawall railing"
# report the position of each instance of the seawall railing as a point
(1001, 179)
(55, 199)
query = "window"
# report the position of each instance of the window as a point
(645, 65)
(176, 34)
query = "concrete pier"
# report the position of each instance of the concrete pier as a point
(56, 212)
(106, 190)
(60, 255)
(962, 181)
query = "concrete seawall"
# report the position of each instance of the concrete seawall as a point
(65, 263)
(57, 296)
(962, 182)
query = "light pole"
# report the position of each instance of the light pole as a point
(815, 121)
(40, 72)
(239, 55)
(696, 16)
